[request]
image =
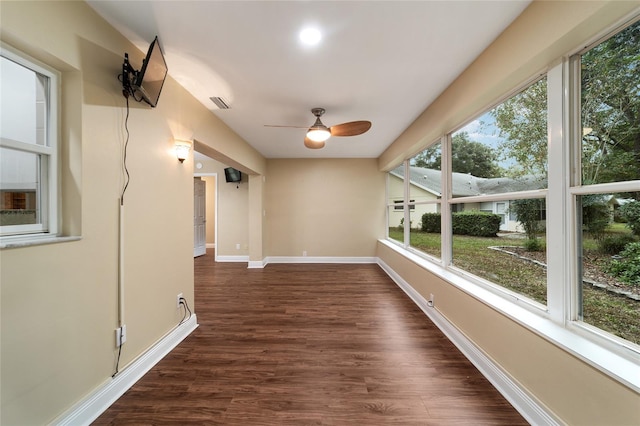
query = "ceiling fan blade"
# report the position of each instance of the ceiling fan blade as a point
(313, 144)
(352, 128)
(291, 127)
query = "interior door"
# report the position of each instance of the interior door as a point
(199, 218)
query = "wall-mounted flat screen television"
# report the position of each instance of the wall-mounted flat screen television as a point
(146, 84)
(232, 175)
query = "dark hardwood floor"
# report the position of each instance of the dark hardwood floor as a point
(305, 345)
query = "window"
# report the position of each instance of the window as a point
(552, 175)
(608, 140)
(425, 190)
(421, 181)
(399, 205)
(498, 162)
(28, 146)
(395, 209)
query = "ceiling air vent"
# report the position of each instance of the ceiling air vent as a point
(220, 102)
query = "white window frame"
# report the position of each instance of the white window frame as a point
(48, 170)
(575, 188)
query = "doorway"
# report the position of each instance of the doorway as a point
(210, 212)
(199, 217)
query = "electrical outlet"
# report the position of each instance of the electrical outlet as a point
(121, 335)
(178, 297)
(238, 246)
(304, 252)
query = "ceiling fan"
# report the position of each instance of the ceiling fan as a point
(318, 133)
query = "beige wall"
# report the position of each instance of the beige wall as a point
(211, 183)
(570, 388)
(324, 207)
(233, 217)
(302, 205)
(256, 219)
(59, 302)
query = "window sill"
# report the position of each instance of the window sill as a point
(28, 241)
(623, 365)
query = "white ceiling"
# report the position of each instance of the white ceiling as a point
(382, 61)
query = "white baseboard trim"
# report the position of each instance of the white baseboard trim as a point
(517, 396)
(89, 408)
(318, 259)
(211, 245)
(232, 258)
(308, 259)
(257, 264)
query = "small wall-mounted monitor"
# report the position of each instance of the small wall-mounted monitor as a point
(146, 84)
(232, 175)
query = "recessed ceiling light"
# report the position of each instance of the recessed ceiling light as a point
(310, 36)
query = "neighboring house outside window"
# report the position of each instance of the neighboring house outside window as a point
(427, 183)
(28, 146)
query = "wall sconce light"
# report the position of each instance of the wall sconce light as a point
(182, 148)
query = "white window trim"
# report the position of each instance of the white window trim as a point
(49, 225)
(559, 246)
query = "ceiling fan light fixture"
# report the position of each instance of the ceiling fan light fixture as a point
(318, 133)
(313, 145)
